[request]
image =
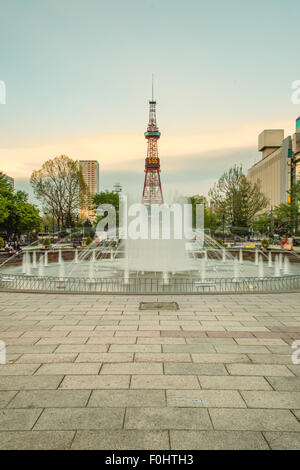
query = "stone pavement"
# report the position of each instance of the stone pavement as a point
(95, 372)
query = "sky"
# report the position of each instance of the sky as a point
(78, 80)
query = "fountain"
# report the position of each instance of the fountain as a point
(194, 263)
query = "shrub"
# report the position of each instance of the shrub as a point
(89, 240)
(265, 243)
(220, 241)
(1, 242)
(47, 242)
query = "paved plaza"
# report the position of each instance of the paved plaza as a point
(96, 372)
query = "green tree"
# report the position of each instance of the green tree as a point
(286, 215)
(198, 200)
(61, 188)
(17, 215)
(106, 197)
(236, 201)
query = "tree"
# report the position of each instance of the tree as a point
(286, 215)
(236, 201)
(60, 186)
(107, 197)
(197, 199)
(17, 215)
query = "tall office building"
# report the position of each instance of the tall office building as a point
(90, 172)
(273, 170)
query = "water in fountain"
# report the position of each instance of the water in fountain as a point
(261, 270)
(41, 266)
(34, 260)
(203, 269)
(256, 257)
(270, 263)
(277, 267)
(76, 256)
(60, 260)
(241, 257)
(286, 266)
(281, 261)
(236, 272)
(61, 272)
(46, 258)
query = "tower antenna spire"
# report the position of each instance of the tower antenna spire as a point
(152, 87)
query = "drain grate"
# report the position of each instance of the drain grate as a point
(159, 306)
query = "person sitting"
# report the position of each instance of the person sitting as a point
(283, 242)
(290, 243)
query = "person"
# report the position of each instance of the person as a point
(290, 243)
(283, 242)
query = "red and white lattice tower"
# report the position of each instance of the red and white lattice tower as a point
(152, 192)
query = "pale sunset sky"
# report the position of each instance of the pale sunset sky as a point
(78, 80)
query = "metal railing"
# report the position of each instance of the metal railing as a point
(21, 282)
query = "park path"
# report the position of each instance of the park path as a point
(96, 372)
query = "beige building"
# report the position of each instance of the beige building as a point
(273, 170)
(90, 172)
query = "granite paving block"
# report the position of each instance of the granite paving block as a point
(167, 418)
(46, 358)
(36, 440)
(233, 419)
(80, 418)
(121, 440)
(231, 382)
(70, 368)
(195, 369)
(127, 398)
(92, 382)
(283, 440)
(160, 382)
(205, 399)
(259, 369)
(50, 398)
(217, 440)
(15, 420)
(262, 399)
(289, 384)
(130, 368)
(29, 382)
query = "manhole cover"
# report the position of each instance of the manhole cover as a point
(159, 306)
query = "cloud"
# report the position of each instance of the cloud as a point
(189, 162)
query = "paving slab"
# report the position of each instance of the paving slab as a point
(121, 440)
(50, 398)
(80, 418)
(205, 399)
(288, 384)
(259, 369)
(253, 420)
(195, 369)
(234, 383)
(127, 398)
(167, 418)
(270, 399)
(14, 420)
(69, 368)
(283, 440)
(161, 382)
(92, 382)
(217, 440)
(36, 440)
(132, 368)
(29, 382)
